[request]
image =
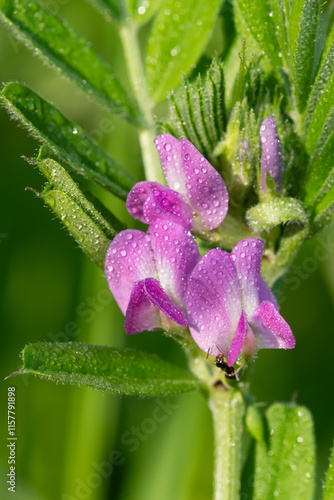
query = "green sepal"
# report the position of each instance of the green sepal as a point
(329, 483)
(269, 214)
(117, 370)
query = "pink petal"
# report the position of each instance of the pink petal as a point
(169, 149)
(129, 258)
(205, 188)
(147, 299)
(265, 294)
(213, 302)
(238, 340)
(176, 254)
(271, 159)
(150, 201)
(247, 255)
(270, 329)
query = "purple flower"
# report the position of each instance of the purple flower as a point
(230, 308)
(147, 274)
(196, 198)
(271, 159)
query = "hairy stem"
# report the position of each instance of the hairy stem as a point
(228, 408)
(128, 34)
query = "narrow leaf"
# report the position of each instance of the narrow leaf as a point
(83, 229)
(65, 50)
(285, 468)
(258, 18)
(177, 40)
(120, 371)
(66, 139)
(141, 11)
(62, 181)
(321, 168)
(303, 47)
(276, 211)
(321, 101)
(110, 9)
(323, 212)
(329, 485)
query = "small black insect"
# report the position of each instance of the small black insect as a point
(229, 371)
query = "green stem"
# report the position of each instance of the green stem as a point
(129, 37)
(228, 408)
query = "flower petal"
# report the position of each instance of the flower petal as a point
(129, 258)
(270, 329)
(150, 201)
(265, 294)
(271, 159)
(213, 302)
(205, 188)
(169, 149)
(238, 340)
(176, 254)
(247, 255)
(147, 299)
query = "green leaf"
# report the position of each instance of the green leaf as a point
(62, 181)
(67, 139)
(303, 32)
(80, 225)
(321, 101)
(110, 9)
(323, 211)
(141, 11)
(270, 213)
(321, 167)
(120, 371)
(177, 40)
(258, 19)
(71, 54)
(239, 87)
(284, 467)
(279, 13)
(329, 485)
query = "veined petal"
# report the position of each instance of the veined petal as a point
(205, 188)
(147, 300)
(265, 294)
(213, 302)
(247, 255)
(176, 254)
(270, 329)
(238, 340)
(150, 201)
(169, 149)
(271, 159)
(129, 258)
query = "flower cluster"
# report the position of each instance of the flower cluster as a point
(159, 279)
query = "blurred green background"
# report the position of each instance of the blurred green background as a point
(67, 436)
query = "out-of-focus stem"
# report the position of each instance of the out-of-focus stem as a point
(128, 34)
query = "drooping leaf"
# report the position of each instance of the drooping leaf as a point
(60, 46)
(258, 18)
(65, 138)
(303, 32)
(178, 37)
(329, 485)
(285, 465)
(120, 371)
(321, 101)
(81, 226)
(270, 213)
(62, 181)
